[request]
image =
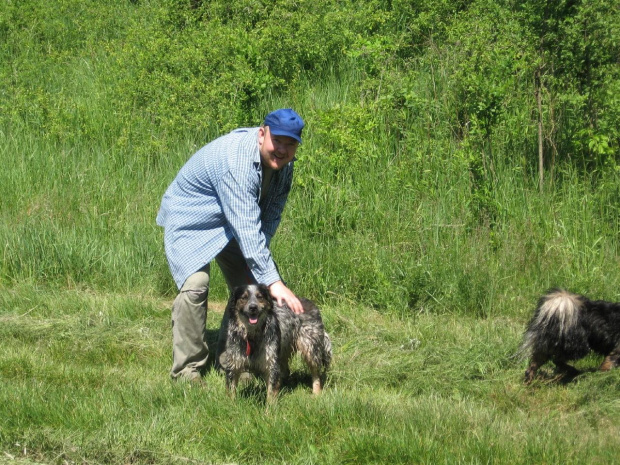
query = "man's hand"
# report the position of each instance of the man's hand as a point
(283, 295)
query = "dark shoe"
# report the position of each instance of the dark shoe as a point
(192, 377)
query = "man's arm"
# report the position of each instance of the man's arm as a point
(238, 194)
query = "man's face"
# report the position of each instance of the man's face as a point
(275, 151)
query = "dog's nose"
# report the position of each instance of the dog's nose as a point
(253, 308)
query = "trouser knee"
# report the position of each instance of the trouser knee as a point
(196, 287)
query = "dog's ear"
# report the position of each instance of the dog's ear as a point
(264, 290)
(236, 293)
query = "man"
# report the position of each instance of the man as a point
(226, 204)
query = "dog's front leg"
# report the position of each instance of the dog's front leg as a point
(273, 382)
(611, 360)
(536, 362)
(232, 380)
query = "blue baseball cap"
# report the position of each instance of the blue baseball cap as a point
(285, 122)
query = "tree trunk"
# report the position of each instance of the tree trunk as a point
(540, 132)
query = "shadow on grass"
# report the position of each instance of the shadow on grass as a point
(212, 340)
(255, 387)
(561, 377)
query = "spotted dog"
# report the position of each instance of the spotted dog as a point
(262, 337)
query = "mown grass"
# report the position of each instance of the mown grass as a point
(85, 380)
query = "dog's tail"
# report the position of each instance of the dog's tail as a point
(558, 310)
(555, 326)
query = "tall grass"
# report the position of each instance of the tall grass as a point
(385, 208)
(400, 228)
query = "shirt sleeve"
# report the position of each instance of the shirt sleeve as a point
(238, 192)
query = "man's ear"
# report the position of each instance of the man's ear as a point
(262, 132)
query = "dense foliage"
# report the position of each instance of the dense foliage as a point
(187, 66)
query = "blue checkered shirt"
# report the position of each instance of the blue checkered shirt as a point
(215, 198)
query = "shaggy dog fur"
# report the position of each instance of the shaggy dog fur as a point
(262, 337)
(567, 327)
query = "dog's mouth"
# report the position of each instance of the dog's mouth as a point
(252, 314)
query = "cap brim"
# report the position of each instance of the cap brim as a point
(280, 132)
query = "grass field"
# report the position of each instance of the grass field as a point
(85, 381)
(416, 221)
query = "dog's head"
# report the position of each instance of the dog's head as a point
(252, 304)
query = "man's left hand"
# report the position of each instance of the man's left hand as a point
(283, 295)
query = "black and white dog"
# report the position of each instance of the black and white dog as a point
(566, 327)
(262, 336)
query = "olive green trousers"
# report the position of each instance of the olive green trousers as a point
(189, 314)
